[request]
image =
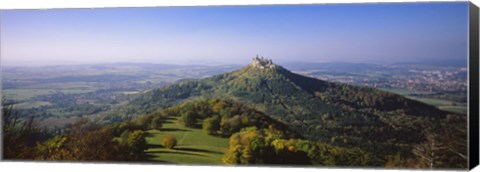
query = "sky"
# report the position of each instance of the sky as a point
(376, 33)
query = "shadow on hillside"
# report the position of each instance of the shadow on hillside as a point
(174, 129)
(167, 122)
(198, 150)
(147, 134)
(153, 146)
(168, 152)
(170, 119)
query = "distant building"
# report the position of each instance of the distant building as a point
(262, 63)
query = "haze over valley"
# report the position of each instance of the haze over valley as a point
(185, 85)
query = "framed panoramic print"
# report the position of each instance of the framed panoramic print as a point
(352, 85)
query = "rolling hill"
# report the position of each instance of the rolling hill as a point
(377, 121)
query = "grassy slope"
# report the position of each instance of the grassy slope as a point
(444, 104)
(439, 103)
(194, 146)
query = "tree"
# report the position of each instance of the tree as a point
(124, 137)
(89, 141)
(19, 136)
(141, 122)
(211, 125)
(156, 123)
(455, 136)
(249, 147)
(219, 106)
(53, 149)
(169, 141)
(119, 128)
(453, 132)
(137, 144)
(396, 161)
(188, 119)
(430, 152)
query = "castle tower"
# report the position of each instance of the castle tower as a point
(262, 63)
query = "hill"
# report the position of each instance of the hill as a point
(201, 128)
(194, 146)
(379, 122)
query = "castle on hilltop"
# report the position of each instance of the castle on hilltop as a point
(262, 63)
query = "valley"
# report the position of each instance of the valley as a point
(55, 93)
(362, 111)
(370, 85)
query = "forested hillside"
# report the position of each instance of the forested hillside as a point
(264, 111)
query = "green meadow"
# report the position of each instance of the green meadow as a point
(444, 104)
(194, 146)
(439, 103)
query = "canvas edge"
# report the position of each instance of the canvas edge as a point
(473, 115)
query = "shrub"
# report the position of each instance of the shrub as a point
(188, 119)
(169, 141)
(156, 123)
(211, 125)
(137, 143)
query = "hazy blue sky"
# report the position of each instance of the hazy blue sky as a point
(234, 34)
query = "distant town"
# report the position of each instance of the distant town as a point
(415, 79)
